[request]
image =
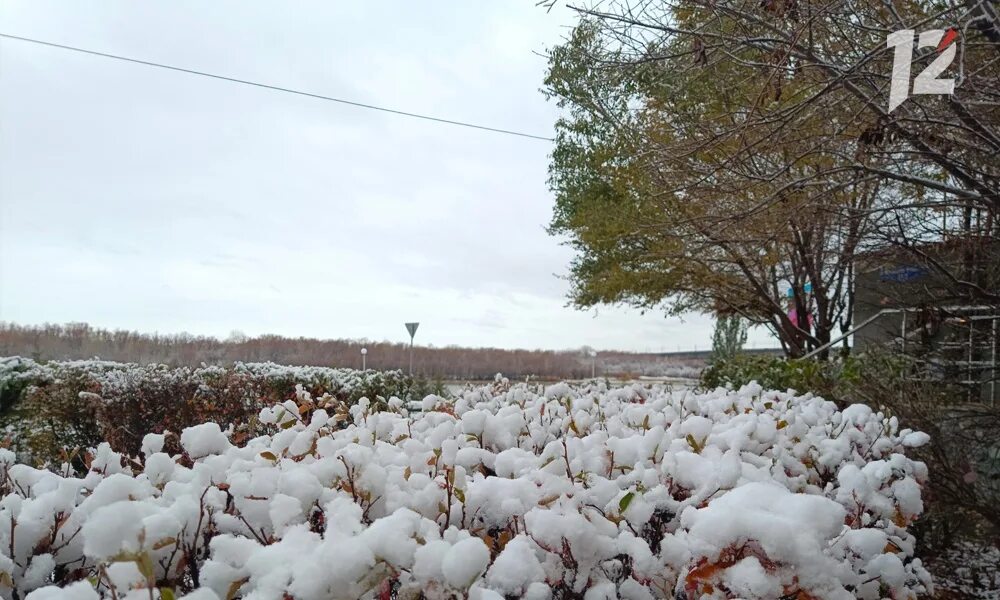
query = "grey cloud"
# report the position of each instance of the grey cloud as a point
(138, 198)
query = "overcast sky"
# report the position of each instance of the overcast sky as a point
(133, 197)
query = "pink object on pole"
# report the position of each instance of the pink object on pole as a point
(793, 316)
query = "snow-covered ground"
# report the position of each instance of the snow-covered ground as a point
(507, 492)
(970, 570)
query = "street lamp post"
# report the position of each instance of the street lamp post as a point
(412, 328)
(593, 364)
(364, 357)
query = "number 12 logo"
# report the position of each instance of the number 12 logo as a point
(927, 81)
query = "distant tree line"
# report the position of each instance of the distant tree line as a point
(81, 341)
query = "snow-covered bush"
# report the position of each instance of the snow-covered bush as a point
(55, 406)
(507, 492)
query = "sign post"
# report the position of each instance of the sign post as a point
(364, 359)
(412, 328)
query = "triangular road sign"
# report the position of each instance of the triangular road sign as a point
(412, 328)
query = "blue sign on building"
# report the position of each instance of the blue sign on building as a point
(903, 274)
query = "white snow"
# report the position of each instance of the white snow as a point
(202, 440)
(464, 562)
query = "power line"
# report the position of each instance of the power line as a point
(278, 88)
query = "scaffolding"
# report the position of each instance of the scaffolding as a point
(951, 344)
(956, 345)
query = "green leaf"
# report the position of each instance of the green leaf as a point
(782, 424)
(166, 593)
(625, 501)
(269, 456)
(145, 565)
(695, 445)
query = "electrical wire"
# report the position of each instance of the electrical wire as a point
(280, 89)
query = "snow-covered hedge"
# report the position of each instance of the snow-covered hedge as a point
(116, 379)
(46, 408)
(509, 492)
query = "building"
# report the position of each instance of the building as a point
(920, 302)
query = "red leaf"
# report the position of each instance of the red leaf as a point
(385, 590)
